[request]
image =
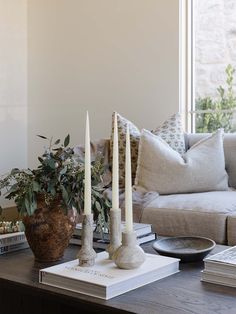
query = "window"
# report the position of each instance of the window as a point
(209, 73)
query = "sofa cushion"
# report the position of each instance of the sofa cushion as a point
(229, 149)
(162, 169)
(196, 214)
(231, 229)
(221, 202)
(171, 131)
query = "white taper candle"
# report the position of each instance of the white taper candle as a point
(87, 166)
(128, 186)
(115, 168)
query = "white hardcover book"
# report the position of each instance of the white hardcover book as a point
(102, 244)
(97, 243)
(223, 262)
(12, 238)
(13, 247)
(219, 278)
(146, 238)
(139, 228)
(227, 256)
(218, 267)
(104, 280)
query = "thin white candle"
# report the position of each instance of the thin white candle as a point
(128, 186)
(87, 166)
(115, 168)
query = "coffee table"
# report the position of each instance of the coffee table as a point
(182, 293)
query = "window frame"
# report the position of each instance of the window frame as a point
(186, 64)
(187, 67)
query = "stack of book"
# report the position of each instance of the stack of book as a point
(104, 280)
(221, 268)
(10, 242)
(143, 231)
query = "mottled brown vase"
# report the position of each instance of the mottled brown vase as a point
(48, 232)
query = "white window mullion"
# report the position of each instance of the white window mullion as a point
(185, 62)
(191, 64)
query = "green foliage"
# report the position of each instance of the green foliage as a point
(19, 186)
(60, 175)
(211, 121)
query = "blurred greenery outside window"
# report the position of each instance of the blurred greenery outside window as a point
(211, 114)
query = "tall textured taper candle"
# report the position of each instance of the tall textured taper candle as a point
(128, 186)
(115, 212)
(129, 255)
(87, 166)
(115, 168)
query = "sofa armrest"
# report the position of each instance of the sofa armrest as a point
(231, 229)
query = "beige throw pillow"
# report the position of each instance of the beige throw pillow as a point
(201, 169)
(171, 131)
(134, 144)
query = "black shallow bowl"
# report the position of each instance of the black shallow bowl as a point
(188, 249)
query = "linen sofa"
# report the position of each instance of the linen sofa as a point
(208, 214)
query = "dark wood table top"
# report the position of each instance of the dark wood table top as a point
(181, 293)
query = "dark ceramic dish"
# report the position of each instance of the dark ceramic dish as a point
(188, 249)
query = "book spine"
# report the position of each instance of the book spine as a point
(141, 231)
(96, 235)
(146, 238)
(14, 247)
(98, 243)
(11, 240)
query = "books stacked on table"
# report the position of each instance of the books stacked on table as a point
(143, 231)
(104, 280)
(10, 242)
(221, 268)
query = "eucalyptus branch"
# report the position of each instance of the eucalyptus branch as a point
(59, 176)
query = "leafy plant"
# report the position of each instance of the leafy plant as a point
(59, 177)
(219, 112)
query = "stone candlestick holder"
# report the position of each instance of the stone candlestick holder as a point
(129, 255)
(87, 254)
(115, 232)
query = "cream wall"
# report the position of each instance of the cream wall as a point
(99, 56)
(13, 85)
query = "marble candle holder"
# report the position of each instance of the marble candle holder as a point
(115, 232)
(87, 254)
(129, 255)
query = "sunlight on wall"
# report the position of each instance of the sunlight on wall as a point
(13, 85)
